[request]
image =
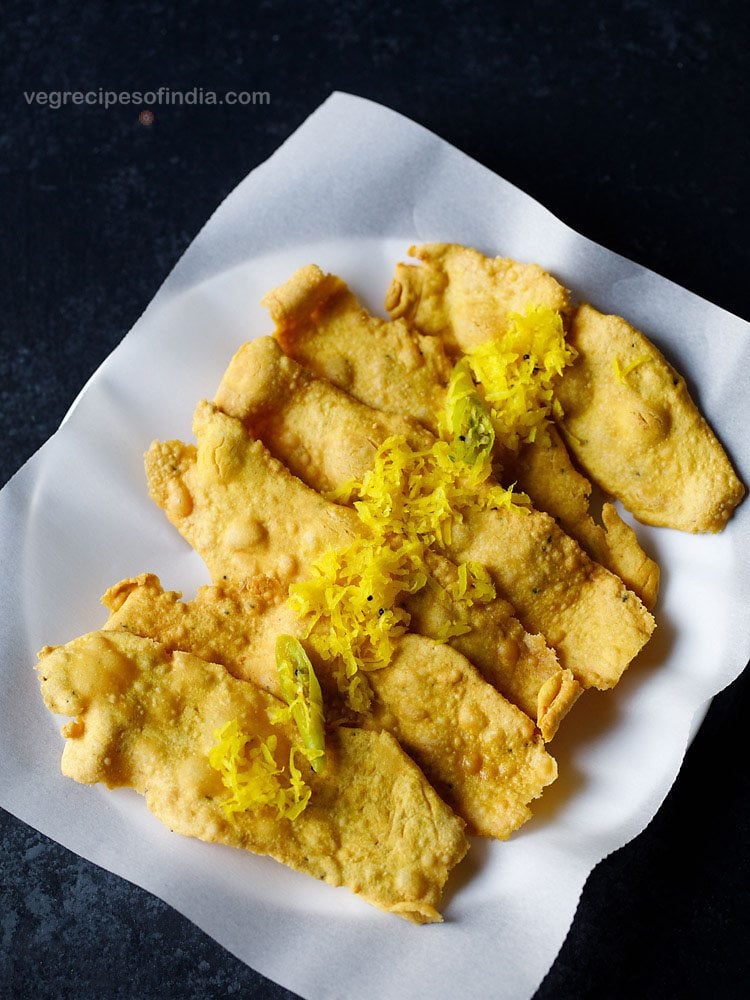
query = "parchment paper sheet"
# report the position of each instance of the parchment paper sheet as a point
(351, 190)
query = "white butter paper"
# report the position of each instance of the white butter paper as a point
(351, 190)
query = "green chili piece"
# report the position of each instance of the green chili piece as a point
(301, 691)
(468, 418)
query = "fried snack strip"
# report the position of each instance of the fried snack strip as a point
(394, 368)
(481, 753)
(630, 422)
(521, 666)
(546, 472)
(584, 612)
(463, 297)
(230, 477)
(629, 419)
(240, 509)
(145, 719)
(259, 527)
(233, 628)
(413, 370)
(277, 399)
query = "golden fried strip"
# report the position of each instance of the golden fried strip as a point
(463, 297)
(233, 628)
(258, 527)
(410, 370)
(145, 718)
(522, 667)
(596, 625)
(584, 612)
(275, 396)
(632, 425)
(237, 484)
(278, 400)
(394, 368)
(240, 509)
(480, 752)
(546, 473)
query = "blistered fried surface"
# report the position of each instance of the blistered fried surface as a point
(546, 473)
(235, 629)
(632, 425)
(240, 509)
(145, 718)
(320, 324)
(297, 416)
(464, 298)
(519, 665)
(287, 407)
(480, 752)
(379, 372)
(585, 613)
(429, 697)
(595, 624)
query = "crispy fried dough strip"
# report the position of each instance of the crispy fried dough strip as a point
(480, 752)
(632, 425)
(584, 612)
(519, 665)
(638, 435)
(259, 527)
(316, 314)
(286, 407)
(275, 397)
(596, 625)
(546, 473)
(463, 297)
(145, 719)
(233, 628)
(394, 368)
(236, 483)
(240, 509)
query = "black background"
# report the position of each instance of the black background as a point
(629, 121)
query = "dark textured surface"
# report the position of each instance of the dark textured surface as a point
(629, 121)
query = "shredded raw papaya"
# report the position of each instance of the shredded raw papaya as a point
(517, 372)
(622, 373)
(419, 495)
(409, 501)
(473, 585)
(349, 603)
(249, 771)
